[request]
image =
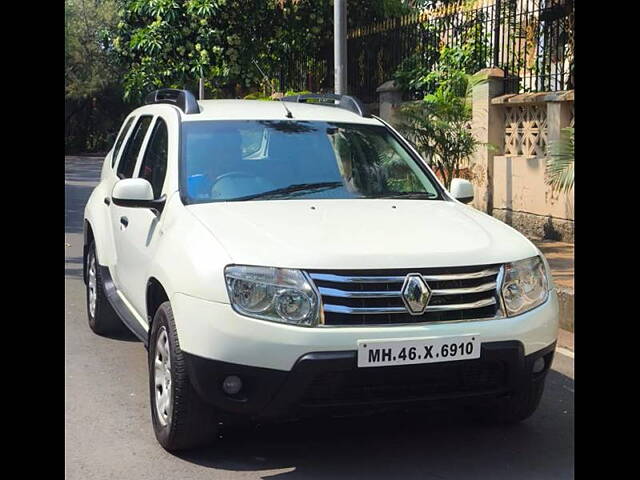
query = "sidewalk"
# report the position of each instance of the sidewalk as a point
(560, 257)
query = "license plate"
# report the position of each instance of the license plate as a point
(379, 353)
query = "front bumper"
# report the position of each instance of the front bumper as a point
(293, 371)
(331, 381)
(214, 331)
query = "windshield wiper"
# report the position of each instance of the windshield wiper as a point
(411, 195)
(297, 187)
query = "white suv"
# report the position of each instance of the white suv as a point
(298, 257)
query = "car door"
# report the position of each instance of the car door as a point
(119, 215)
(107, 179)
(137, 229)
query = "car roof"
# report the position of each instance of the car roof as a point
(271, 110)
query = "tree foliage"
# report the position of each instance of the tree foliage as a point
(93, 95)
(431, 63)
(172, 43)
(89, 65)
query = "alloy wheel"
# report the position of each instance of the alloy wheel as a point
(92, 286)
(162, 377)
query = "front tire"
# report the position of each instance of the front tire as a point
(181, 420)
(103, 319)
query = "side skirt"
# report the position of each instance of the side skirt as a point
(121, 308)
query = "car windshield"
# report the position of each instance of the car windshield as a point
(262, 160)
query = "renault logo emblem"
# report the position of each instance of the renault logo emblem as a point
(415, 294)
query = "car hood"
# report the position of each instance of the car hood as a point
(360, 234)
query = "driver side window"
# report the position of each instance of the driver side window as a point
(120, 139)
(130, 153)
(154, 162)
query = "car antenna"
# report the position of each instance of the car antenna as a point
(289, 114)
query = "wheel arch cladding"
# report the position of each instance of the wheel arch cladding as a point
(88, 238)
(156, 295)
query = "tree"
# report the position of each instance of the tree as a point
(93, 97)
(172, 43)
(89, 65)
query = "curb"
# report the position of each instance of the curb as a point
(566, 302)
(565, 340)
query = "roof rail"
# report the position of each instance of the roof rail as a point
(346, 102)
(183, 99)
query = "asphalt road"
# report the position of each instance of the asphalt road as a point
(108, 422)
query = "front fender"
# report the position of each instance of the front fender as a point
(189, 259)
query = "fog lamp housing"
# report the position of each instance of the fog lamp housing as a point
(232, 385)
(538, 365)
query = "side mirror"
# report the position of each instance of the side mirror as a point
(461, 190)
(136, 193)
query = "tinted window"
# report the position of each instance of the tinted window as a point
(132, 148)
(119, 141)
(154, 162)
(247, 160)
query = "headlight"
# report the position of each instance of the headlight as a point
(275, 294)
(524, 286)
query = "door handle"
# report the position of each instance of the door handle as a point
(124, 221)
(107, 200)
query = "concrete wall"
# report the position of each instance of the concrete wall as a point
(522, 199)
(520, 195)
(508, 169)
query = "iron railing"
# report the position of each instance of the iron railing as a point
(531, 40)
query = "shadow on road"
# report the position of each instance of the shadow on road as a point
(73, 267)
(73, 272)
(443, 443)
(124, 335)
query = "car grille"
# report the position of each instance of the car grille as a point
(405, 383)
(373, 297)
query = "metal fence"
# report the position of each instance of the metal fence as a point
(531, 40)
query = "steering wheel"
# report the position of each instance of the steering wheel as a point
(233, 174)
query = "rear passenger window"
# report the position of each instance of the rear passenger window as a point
(154, 162)
(132, 148)
(119, 141)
